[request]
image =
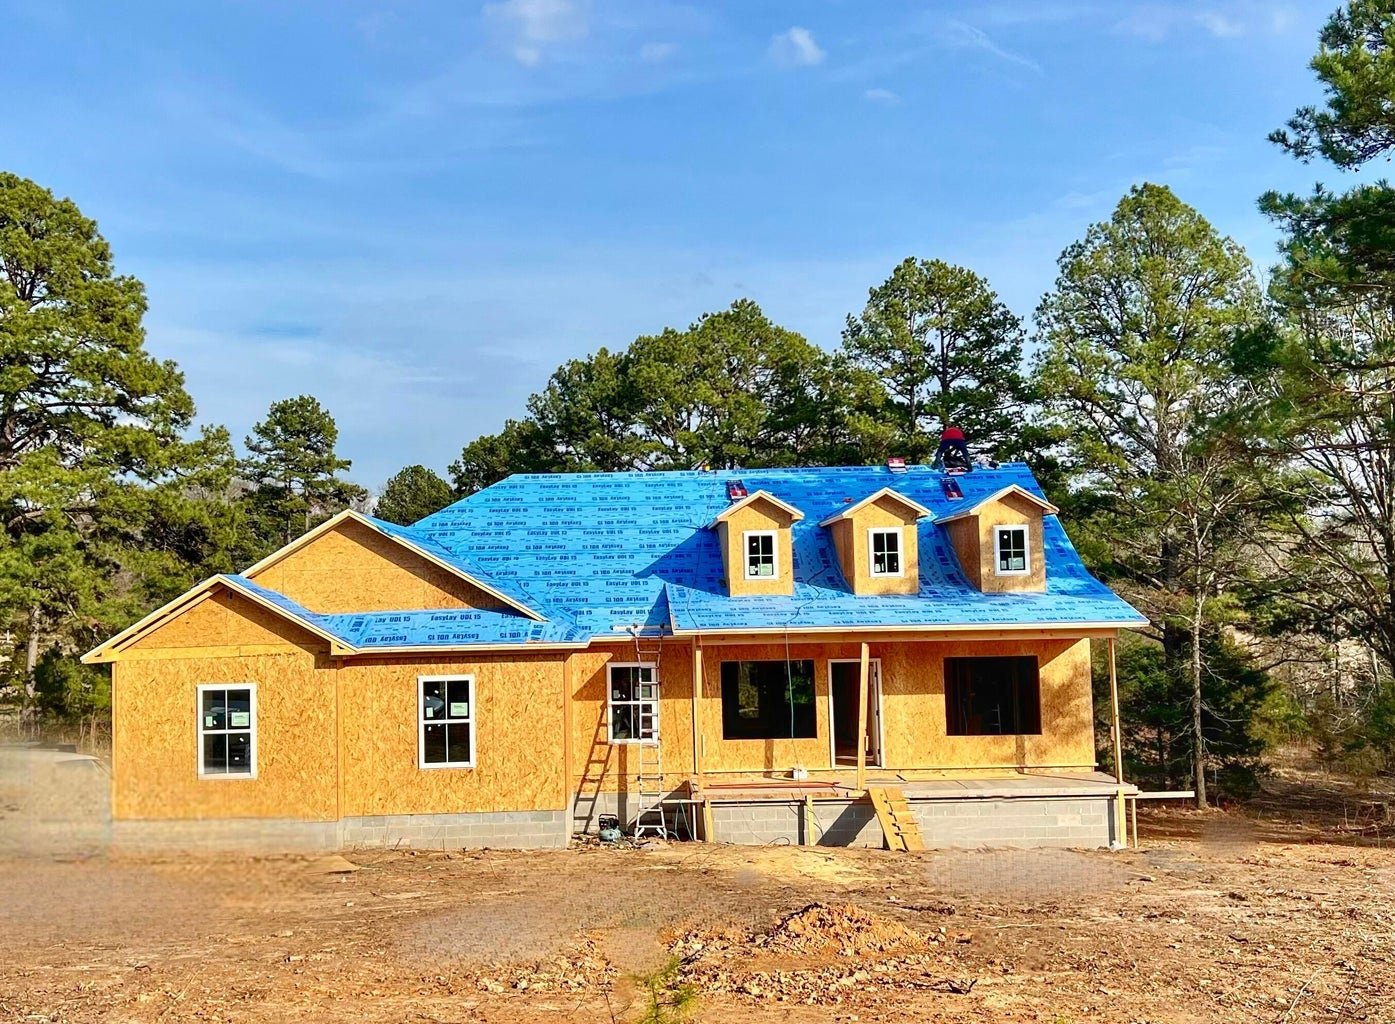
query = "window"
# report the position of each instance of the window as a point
(227, 730)
(992, 697)
(886, 552)
(446, 714)
(760, 554)
(1010, 550)
(766, 700)
(634, 704)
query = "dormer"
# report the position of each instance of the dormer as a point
(999, 541)
(876, 543)
(757, 548)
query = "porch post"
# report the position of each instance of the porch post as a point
(697, 712)
(1117, 730)
(862, 682)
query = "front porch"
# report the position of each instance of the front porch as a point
(1076, 809)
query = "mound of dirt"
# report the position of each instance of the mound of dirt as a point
(841, 929)
(824, 954)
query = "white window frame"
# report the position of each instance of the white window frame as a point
(251, 773)
(422, 721)
(774, 536)
(894, 531)
(611, 703)
(998, 569)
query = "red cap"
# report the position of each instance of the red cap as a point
(952, 434)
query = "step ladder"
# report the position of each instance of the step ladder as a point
(897, 819)
(650, 817)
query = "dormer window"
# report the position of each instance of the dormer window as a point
(884, 551)
(1010, 550)
(760, 554)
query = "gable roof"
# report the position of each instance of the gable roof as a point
(366, 632)
(453, 562)
(282, 606)
(596, 556)
(1047, 509)
(622, 550)
(751, 499)
(886, 492)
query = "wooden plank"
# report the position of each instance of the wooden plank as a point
(567, 754)
(697, 712)
(1120, 824)
(862, 682)
(896, 818)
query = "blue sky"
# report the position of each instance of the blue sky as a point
(415, 210)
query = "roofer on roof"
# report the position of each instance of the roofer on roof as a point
(953, 452)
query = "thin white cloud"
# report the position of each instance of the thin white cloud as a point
(795, 48)
(657, 53)
(1156, 23)
(883, 96)
(966, 36)
(533, 26)
(1220, 25)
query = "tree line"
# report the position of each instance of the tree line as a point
(1224, 454)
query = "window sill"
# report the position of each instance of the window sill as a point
(227, 776)
(445, 766)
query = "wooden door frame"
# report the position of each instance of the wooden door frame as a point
(874, 687)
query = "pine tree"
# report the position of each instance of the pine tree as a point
(411, 494)
(946, 352)
(293, 466)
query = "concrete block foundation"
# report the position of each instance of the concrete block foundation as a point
(1077, 821)
(516, 830)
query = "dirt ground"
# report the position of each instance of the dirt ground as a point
(1283, 911)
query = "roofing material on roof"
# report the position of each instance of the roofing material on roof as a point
(886, 492)
(1035, 498)
(621, 549)
(586, 556)
(751, 499)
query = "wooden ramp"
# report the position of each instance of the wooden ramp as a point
(897, 819)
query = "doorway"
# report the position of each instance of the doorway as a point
(844, 678)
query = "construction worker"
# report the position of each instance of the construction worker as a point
(953, 453)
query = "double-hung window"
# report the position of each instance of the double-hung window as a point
(1010, 554)
(760, 555)
(227, 730)
(885, 548)
(634, 704)
(446, 721)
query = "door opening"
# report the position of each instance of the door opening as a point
(844, 678)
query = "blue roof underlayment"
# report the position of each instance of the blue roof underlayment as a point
(447, 627)
(604, 552)
(598, 554)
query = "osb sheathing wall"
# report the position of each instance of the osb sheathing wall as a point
(354, 568)
(853, 544)
(759, 515)
(333, 738)
(913, 713)
(972, 539)
(155, 738)
(914, 722)
(519, 745)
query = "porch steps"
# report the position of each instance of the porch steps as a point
(897, 819)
